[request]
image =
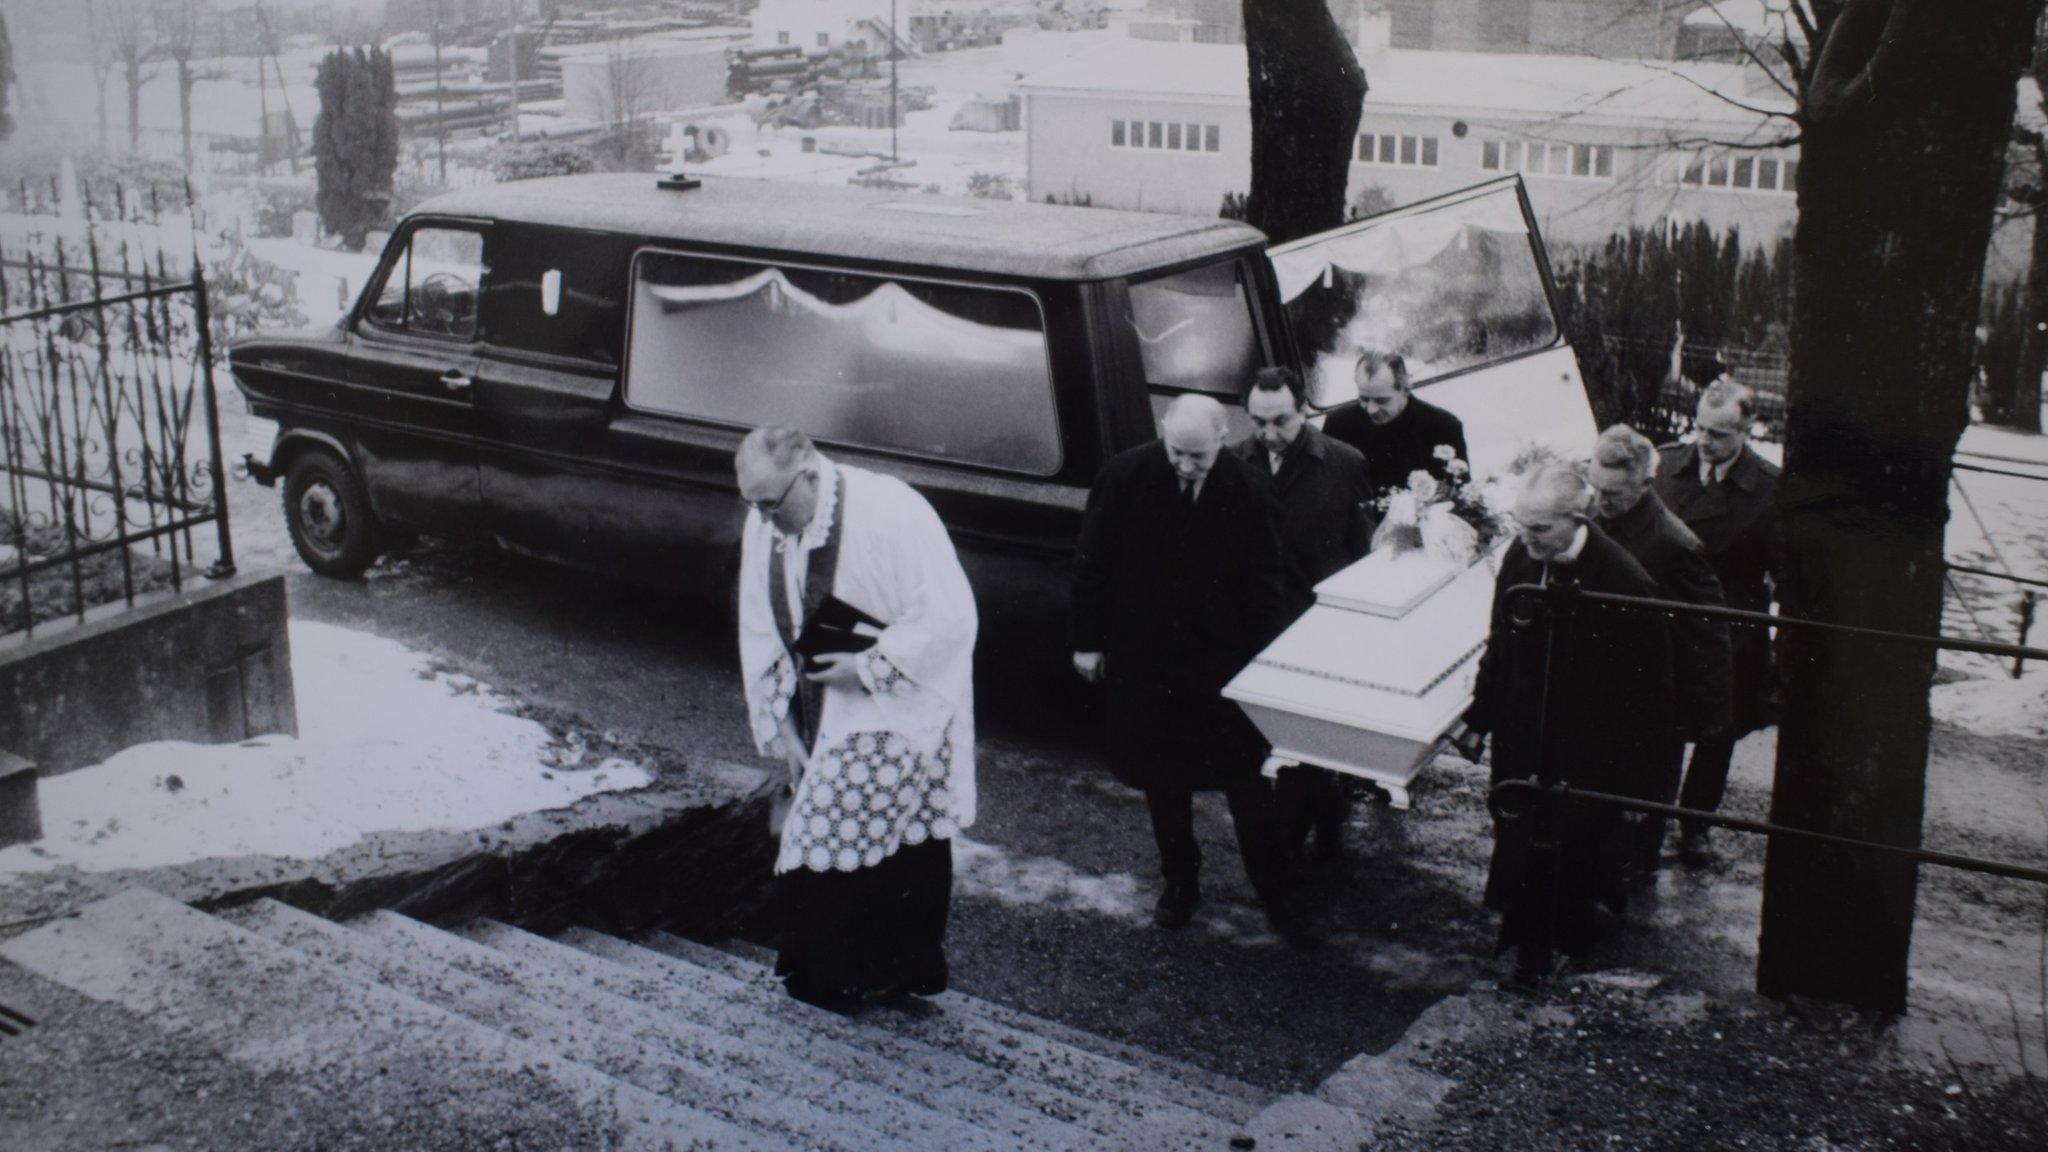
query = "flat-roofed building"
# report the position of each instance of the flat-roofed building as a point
(1603, 144)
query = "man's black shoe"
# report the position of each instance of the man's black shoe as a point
(1296, 927)
(1176, 904)
(1695, 850)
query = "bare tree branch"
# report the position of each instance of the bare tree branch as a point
(1742, 42)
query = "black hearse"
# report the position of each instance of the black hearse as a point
(566, 365)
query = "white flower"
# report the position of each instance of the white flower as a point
(1425, 487)
(1458, 468)
(1401, 508)
(1444, 452)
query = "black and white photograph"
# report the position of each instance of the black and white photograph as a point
(1023, 575)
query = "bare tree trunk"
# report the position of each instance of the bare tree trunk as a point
(132, 73)
(1889, 273)
(1307, 92)
(185, 82)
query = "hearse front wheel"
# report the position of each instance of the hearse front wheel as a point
(328, 515)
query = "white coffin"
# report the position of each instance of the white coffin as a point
(1370, 680)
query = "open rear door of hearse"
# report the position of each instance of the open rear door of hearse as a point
(1459, 285)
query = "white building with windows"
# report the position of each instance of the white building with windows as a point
(1602, 144)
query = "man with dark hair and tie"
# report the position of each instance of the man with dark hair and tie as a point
(1398, 432)
(1724, 492)
(1179, 582)
(1326, 523)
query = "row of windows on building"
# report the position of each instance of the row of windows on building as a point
(1753, 173)
(1529, 157)
(1170, 135)
(1542, 158)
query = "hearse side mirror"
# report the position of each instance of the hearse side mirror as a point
(551, 291)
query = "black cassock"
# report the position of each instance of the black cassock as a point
(1610, 718)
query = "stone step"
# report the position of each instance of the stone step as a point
(836, 1111)
(672, 1067)
(434, 1078)
(1035, 1115)
(1018, 1043)
(1122, 1122)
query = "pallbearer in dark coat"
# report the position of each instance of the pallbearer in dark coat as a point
(1724, 491)
(1610, 711)
(1178, 584)
(1397, 432)
(1326, 523)
(1624, 464)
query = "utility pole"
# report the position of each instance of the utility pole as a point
(512, 44)
(440, 121)
(894, 51)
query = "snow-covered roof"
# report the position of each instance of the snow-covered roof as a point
(1037, 241)
(1489, 84)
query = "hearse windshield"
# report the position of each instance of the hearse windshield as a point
(1450, 286)
(924, 367)
(1195, 330)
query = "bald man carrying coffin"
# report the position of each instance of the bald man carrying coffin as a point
(1179, 581)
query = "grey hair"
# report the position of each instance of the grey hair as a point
(1562, 487)
(786, 449)
(1725, 392)
(1370, 362)
(1194, 406)
(1621, 446)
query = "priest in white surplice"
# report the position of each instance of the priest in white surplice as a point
(877, 744)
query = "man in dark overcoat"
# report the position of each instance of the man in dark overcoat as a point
(1398, 432)
(1724, 492)
(1178, 584)
(1624, 464)
(1326, 523)
(1606, 709)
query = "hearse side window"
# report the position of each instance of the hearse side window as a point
(431, 287)
(588, 322)
(1195, 331)
(953, 371)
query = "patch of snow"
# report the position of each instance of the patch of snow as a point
(385, 744)
(1994, 707)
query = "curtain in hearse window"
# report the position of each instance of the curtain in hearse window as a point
(951, 371)
(1451, 285)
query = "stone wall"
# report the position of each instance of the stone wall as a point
(210, 664)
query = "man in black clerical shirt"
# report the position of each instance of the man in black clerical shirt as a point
(1398, 431)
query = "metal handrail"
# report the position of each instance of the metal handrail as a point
(1527, 605)
(1761, 827)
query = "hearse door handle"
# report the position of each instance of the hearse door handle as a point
(455, 381)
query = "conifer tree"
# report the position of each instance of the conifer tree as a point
(355, 142)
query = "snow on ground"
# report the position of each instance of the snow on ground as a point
(1995, 707)
(385, 744)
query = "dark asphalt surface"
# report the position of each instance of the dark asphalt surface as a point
(660, 667)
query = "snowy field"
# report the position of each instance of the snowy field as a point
(386, 743)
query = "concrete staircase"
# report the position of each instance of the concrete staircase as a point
(665, 1044)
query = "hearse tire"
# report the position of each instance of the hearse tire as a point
(328, 515)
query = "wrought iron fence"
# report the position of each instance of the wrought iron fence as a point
(110, 458)
(1541, 799)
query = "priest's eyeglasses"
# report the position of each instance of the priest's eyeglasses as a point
(768, 508)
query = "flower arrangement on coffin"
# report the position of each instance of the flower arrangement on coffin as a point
(1453, 518)
(1445, 518)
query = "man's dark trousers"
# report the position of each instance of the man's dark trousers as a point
(1251, 811)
